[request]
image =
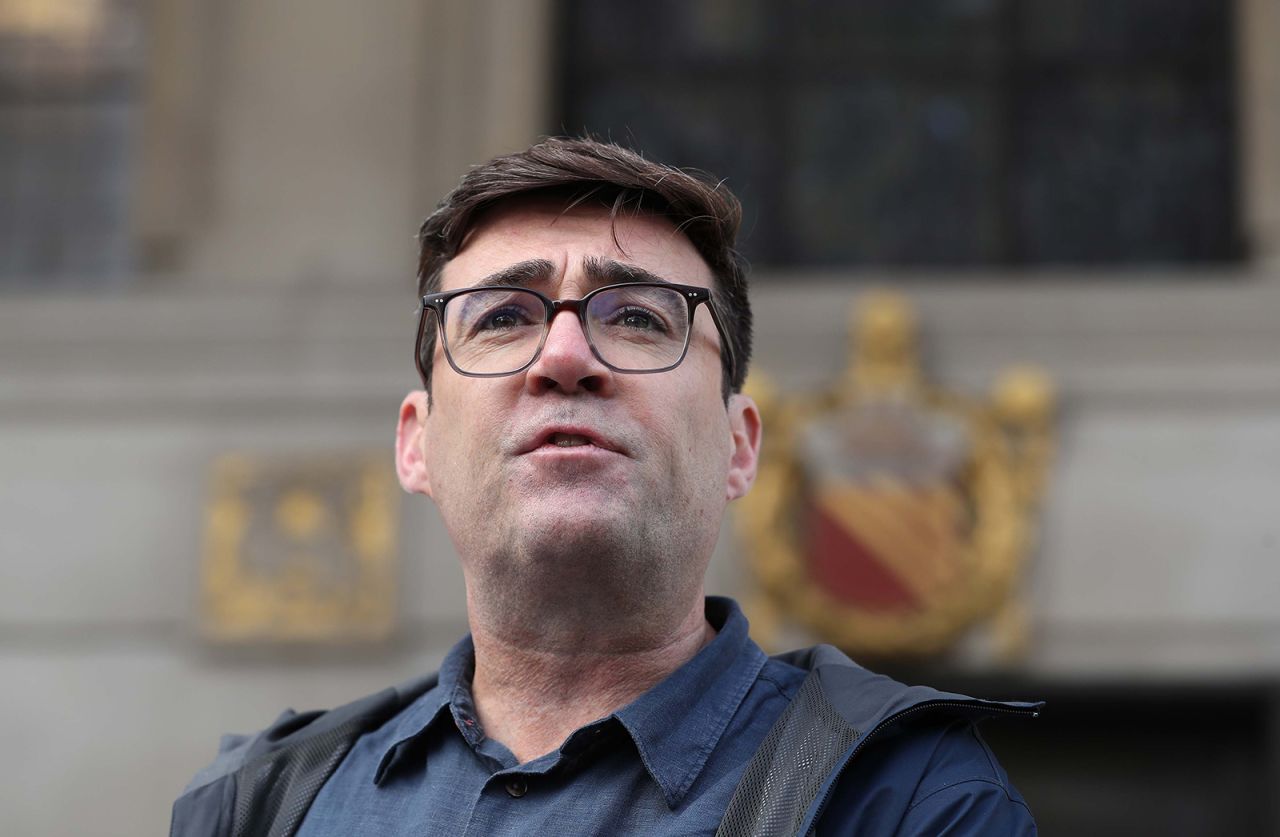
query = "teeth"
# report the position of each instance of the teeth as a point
(568, 440)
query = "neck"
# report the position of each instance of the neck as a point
(531, 696)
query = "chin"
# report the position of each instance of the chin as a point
(568, 526)
(567, 535)
(576, 504)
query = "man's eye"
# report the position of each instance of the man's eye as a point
(641, 319)
(501, 320)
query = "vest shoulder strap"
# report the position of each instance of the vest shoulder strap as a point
(789, 770)
(275, 790)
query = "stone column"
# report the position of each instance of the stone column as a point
(1258, 30)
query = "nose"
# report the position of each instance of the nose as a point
(567, 363)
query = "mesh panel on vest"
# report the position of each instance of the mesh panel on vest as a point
(274, 792)
(784, 776)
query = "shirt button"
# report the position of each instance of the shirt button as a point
(517, 788)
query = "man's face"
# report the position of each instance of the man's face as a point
(570, 472)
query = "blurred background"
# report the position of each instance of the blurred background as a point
(207, 218)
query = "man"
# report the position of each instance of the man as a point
(584, 338)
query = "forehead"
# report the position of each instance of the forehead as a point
(539, 228)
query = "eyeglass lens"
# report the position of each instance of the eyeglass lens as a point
(634, 328)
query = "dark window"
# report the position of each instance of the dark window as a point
(68, 115)
(930, 132)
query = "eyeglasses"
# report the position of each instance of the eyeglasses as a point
(638, 327)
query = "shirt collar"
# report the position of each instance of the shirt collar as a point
(425, 712)
(675, 725)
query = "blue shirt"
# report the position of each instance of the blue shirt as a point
(667, 763)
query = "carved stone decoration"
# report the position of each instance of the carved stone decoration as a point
(889, 515)
(300, 551)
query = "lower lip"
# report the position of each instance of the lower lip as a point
(572, 452)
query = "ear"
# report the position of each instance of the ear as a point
(411, 440)
(745, 430)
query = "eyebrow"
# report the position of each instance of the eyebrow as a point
(608, 272)
(520, 274)
(600, 271)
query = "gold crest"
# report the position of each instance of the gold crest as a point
(300, 551)
(889, 515)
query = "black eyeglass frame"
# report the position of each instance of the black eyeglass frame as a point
(693, 296)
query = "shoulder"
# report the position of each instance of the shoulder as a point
(234, 748)
(916, 763)
(965, 790)
(204, 805)
(933, 777)
(292, 728)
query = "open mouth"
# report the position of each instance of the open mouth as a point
(567, 440)
(569, 437)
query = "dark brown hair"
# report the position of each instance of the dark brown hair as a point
(585, 170)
